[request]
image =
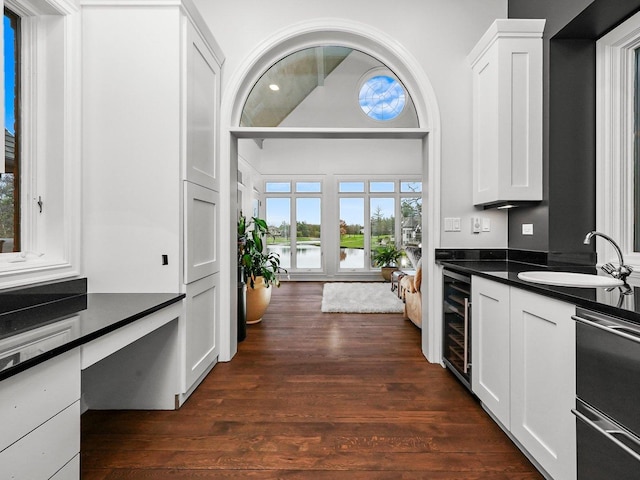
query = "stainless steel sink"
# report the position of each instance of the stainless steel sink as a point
(569, 279)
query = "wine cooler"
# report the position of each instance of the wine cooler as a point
(456, 350)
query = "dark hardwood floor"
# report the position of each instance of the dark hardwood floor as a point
(311, 395)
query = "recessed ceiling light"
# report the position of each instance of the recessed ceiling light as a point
(274, 87)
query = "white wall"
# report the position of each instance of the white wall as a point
(437, 33)
(347, 156)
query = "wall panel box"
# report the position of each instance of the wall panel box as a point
(507, 113)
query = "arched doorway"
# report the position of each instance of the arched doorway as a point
(372, 42)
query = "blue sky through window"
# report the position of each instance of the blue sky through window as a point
(9, 75)
(382, 98)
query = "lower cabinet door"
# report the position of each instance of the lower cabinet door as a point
(490, 346)
(201, 328)
(543, 384)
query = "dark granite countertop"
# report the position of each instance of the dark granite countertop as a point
(613, 302)
(34, 334)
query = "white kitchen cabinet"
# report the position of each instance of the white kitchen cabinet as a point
(523, 348)
(201, 330)
(151, 98)
(543, 385)
(40, 417)
(201, 232)
(507, 113)
(203, 73)
(490, 346)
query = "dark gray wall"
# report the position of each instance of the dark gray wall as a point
(568, 210)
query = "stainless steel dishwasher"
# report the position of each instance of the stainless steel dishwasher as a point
(608, 397)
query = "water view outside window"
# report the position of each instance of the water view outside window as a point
(10, 180)
(308, 229)
(294, 221)
(352, 233)
(382, 223)
(279, 222)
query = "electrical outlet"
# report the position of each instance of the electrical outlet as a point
(527, 229)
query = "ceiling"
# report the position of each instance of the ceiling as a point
(296, 76)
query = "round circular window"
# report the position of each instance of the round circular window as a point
(382, 98)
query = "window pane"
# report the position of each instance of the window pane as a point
(382, 222)
(347, 187)
(10, 181)
(382, 97)
(308, 245)
(411, 187)
(411, 221)
(279, 222)
(305, 187)
(277, 187)
(376, 187)
(351, 233)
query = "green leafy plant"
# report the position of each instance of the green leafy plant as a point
(386, 256)
(251, 252)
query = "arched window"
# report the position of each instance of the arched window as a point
(329, 86)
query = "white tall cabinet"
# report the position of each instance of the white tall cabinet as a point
(524, 367)
(151, 96)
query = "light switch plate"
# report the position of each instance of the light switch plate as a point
(476, 227)
(451, 224)
(486, 224)
(527, 228)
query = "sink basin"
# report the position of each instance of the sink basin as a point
(569, 279)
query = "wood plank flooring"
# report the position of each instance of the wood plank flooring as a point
(311, 395)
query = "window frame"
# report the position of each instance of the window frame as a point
(293, 195)
(397, 196)
(50, 146)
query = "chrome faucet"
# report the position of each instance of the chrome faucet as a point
(622, 271)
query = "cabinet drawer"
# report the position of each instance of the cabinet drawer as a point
(46, 450)
(32, 397)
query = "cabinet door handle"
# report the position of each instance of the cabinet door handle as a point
(466, 335)
(611, 327)
(609, 430)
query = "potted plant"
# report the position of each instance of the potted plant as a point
(387, 257)
(260, 269)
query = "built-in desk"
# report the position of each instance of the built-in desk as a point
(74, 352)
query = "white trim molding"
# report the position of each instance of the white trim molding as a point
(615, 67)
(51, 147)
(367, 39)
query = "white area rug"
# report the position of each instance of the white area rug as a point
(351, 297)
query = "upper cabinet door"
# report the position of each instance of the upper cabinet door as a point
(203, 101)
(507, 113)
